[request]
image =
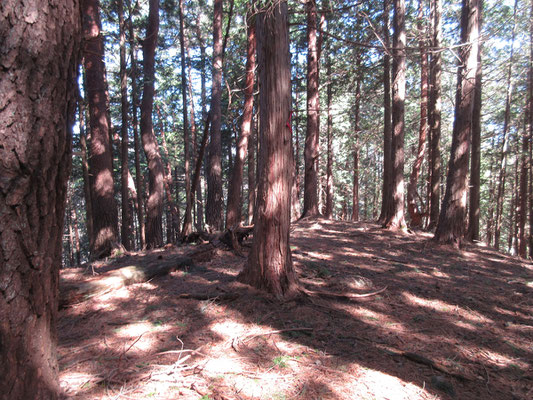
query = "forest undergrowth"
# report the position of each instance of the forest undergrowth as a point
(450, 324)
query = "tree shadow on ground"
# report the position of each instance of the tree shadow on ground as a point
(468, 311)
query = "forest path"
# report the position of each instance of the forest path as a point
(451, 324)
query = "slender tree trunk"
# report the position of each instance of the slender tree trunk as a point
(74, 216)
(269, 265)
(126, 209)
(295, 199)
(475, 164)
(355, 189)
(139, 200)
(104, 207)
(85, 170)
(313, 114)
(435, 105)
(395, 212)
(329, 166)
(233, 212)
(214, 167)
(505, 140)
(451, 226)
(154, 206)
(40, 47)
(387, 127)
(414, 211)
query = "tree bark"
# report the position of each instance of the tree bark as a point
(530, 133)
(435, 104)
(85, 169)
(415, 212)
(387, 127)
(214, 167)
(313, 115)
(251, 174)
(269, 265)
(355, 189)
(395, 212)
(154, 206)
(104, 207)
(451, 225)
(329, 165)
(233, 211)
(126, 209)
(39, 47)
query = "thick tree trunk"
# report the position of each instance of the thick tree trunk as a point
(139, 201)
(435, 105)
(126, 209)
(530, 135)
(104, 207)
(387, 127)
(500, 194)
(269, 265)
(475, 164)
(154, 206)
(395, 211)
(214, 167)
(451, 226)
(233, 211)
(38, 80)
(415, 212)
(313, 114)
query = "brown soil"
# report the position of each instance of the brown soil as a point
(451, 324)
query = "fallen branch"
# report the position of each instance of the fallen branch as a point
(344, 296)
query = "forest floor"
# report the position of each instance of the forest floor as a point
(450, 324)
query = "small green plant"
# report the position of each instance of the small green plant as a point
(205, 397)
(281, 361)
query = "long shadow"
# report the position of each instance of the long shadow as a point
(440, 318)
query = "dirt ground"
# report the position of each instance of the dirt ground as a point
(449, 325)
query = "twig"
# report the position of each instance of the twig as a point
(131, 345)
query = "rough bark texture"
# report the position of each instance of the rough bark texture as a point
(269, 265)
(530, 132)
(475, 163)
(154, 206)
(313, 114)
(451, 226)
(251, 174)
(387, 127)
(435, 116)
(395, 212)
(214, 167)
(39, 62)
(415, 212)
(126, 208)
(329, 133)
(85, 169)
(104, 207)
(233, 211)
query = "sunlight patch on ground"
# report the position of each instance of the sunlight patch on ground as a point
(229, 328)
(377, 319)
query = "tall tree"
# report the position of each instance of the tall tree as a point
(434, 114)
(414, 211)
(269, 265)
(39, 58)
(233, 211)
(313, 115)
(104, 207)
(387, 127)
(126, 209)
(395, 212)
(451, 225)
(357, 117)
(156, 176)
(214, 166)
(329, 135)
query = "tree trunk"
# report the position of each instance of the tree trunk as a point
(126, 209)
(214, 167)
(415, 213)
(451, 225)
(387, 127)
(329, 166)
(505, 140)
(295, 197)
(40, 47)
(530, 134)
(154, 206)
(435, 105)
(77, 254)
(355, 189)
(138, 175)
(233, 211)
(395, 212)
(475, 164)
(85, 169)
(251, 174)
(269, 265)
(313, 114)
(104, 207)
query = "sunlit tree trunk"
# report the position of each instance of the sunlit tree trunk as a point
(269, 265)
(251, 175)
(39, 48)
(451, 225)
(154, 206)
(395, 212)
